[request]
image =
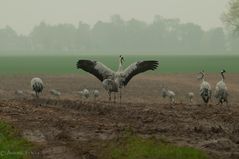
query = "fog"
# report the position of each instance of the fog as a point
(114, 26)
(23, 15)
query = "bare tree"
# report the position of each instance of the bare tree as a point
(231, 16)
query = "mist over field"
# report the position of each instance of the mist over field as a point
(113, 27)
(119, 79)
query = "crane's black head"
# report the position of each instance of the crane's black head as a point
(223, 71)
(121, 58)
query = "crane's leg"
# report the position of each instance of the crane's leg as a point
(109, 96)
(37, 95)
(114, 97)
(120, 95)
(171, 102)
(227, 104)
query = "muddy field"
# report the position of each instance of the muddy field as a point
(71, 127)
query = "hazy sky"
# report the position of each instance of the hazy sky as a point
(22, 15)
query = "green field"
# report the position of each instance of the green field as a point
(12, 146)
(135, 147)
(67, 64)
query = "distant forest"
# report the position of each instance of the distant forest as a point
(133, 36)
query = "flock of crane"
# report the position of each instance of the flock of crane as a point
(114, 81)
(221, 91)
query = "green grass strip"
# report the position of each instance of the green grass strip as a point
(134, 147)
(12, 146)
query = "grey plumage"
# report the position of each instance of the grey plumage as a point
(221, 91)
(55, 93)
(111, 87)
(168, 93)
(205, 88)
(190, 96)
(37, 86)
(19, 92)
(84, 93)
(95, 94)
(113, 81)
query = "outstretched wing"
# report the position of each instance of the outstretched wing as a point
(138, 67)
(95, 68)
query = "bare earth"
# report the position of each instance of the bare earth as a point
(71, 127)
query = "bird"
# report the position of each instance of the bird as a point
(37, 86)
(205, 88)
(168, 93)
(55, 93)
(95, 94)
(110, 86)
(190, 96)
(114, 81)
(221, 91)
(85, 93)
(19, 92)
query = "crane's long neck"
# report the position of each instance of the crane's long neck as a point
(120, 68)
(203, 77)
(223, 77)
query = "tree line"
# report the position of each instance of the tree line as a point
(133, 36)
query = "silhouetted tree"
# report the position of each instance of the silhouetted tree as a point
(231, 16)
(119, 36)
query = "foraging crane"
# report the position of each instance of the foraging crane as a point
(19, 92)
(95, 94)
(221, 91)
(114, 81)
(190, 96)
(205, 88)
(85, 93)
(55, 93)
(37, 86)
(168, 93)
